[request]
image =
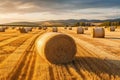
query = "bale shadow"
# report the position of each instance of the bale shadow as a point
(97, 66)
(112, 38)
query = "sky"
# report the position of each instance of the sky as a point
(42, 10)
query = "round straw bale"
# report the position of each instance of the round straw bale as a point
(65, 27)
(23, 30)
(80, 30)
(2, 29)
(55, 29)
(44, 28)
(56, 47)
(86, 28)
(112, 28)
(12, 27)
(29, 29)
(98, 32)
(70, 28)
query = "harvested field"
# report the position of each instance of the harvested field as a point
(96, 58)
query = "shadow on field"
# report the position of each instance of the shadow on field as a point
(97, 66)
(112, 38)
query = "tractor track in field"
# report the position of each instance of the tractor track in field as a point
(6, 51)
(24, 69)
(8, 37)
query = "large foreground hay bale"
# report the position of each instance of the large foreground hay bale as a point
(80, 30)
(56, 47)
(55, 29)
(2, 29)
(98, 32)
(112, 28)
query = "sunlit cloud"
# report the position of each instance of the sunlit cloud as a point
(39, 10)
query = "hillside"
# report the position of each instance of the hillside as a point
(61, 22)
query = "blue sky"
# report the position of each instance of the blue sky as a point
(40, 10)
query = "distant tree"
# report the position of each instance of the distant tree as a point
(82, 23)
(107, 23)
(77, 24)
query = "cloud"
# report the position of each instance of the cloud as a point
(54, 6)
(36, 10)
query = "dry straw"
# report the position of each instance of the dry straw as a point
(56, 47)
(80, 30)
(98, 32)
(55, 29)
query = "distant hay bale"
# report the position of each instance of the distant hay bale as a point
(105, 26)
(39, 27)
(55, 29)
(13, 27)
(25, 29)
(98, 32)
(65, 27)
(70, 28)
(85, 28)
(56, 47)
(5, 27)
(80, 30)
(112, 28)
(2, 29)
(44, 28)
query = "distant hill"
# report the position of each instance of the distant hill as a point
(61, 22)
(22, 23)
(73, 21)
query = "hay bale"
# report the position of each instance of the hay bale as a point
(70, 28)
(39, 27)
(12, 27)
(80, 30)
(98, 32)
(2, 29)
(23, 30)
(65, 27)
(55, 29)
(112, 28)
(86, 28)
(44, 28)
(29, 29)
(56, 47)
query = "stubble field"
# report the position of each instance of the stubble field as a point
(96, 58)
